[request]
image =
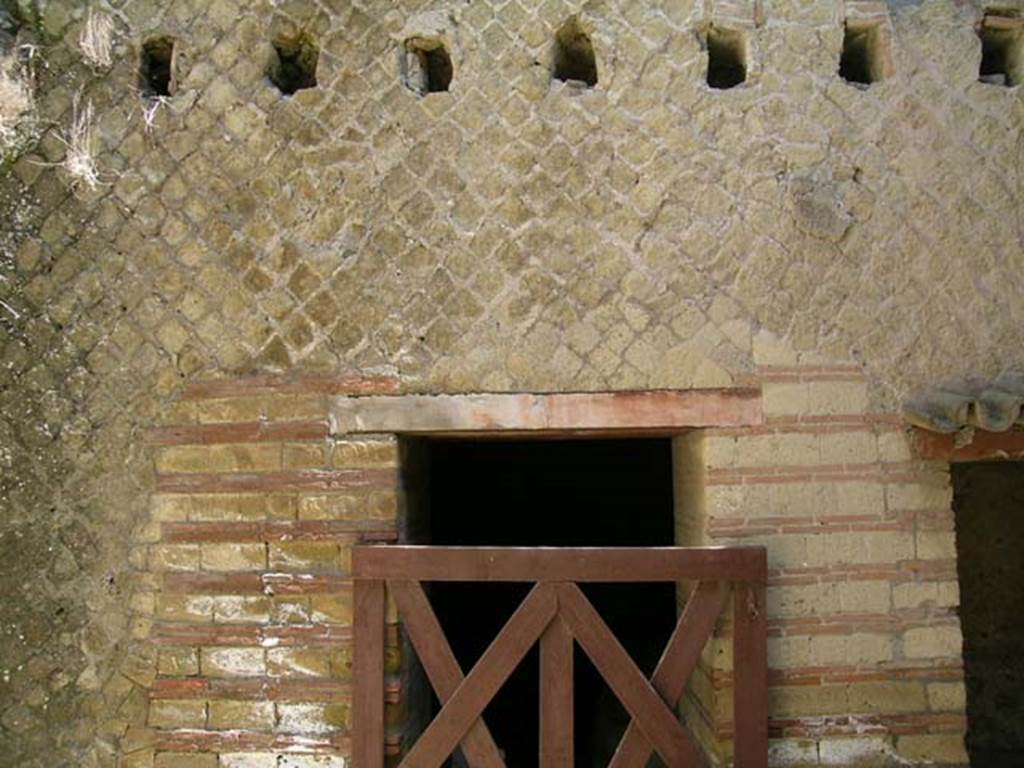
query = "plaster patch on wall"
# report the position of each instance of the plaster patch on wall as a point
(818, 209)
(857, 751)
(904, 5)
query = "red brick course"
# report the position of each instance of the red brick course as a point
(231, 433)
(195, 740)
(288, 481)
(856, 724)
(818, 726)
(853, 623)
(255, 583)
(250, 635)
(824, 425)
(345, 532)
(318, 689)
(938, 670)
(904, 570)
(881, 472)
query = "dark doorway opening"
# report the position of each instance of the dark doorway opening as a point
(989, 508)
(546, 493)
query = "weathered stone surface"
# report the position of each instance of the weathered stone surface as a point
(506, 236)
(531, 413)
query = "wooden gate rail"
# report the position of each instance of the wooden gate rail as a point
(557, 614)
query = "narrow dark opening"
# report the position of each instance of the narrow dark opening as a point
(548, 493)
(428, 67)
(863, 60)
(575, 60)
(727, 58)
(157, 68)
(293, 66)
(989, 509)
(1002, 52)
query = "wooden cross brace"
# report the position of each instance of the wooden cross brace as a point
(557, 614)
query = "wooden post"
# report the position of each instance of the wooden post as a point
(556, 702)
(750, 665)
(368, 664)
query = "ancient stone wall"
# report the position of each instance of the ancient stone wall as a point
(864, 646)
(514, 233)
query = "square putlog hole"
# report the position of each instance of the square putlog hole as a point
(865, 58)
(157, 73)
(575, 60)
(293, 65)
(1002, 50)
(727, 58)
(428, 66)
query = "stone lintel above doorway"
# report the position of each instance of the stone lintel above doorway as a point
(567, 414)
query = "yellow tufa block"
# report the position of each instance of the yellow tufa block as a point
(172, 713)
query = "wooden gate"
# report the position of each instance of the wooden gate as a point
(557, 613)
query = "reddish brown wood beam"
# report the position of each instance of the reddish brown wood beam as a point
(441, 666)
(368, 671)
(619, 564)
(984, 446)
(649, 712)
(556, 696)
(464, 708)
(676, 665)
